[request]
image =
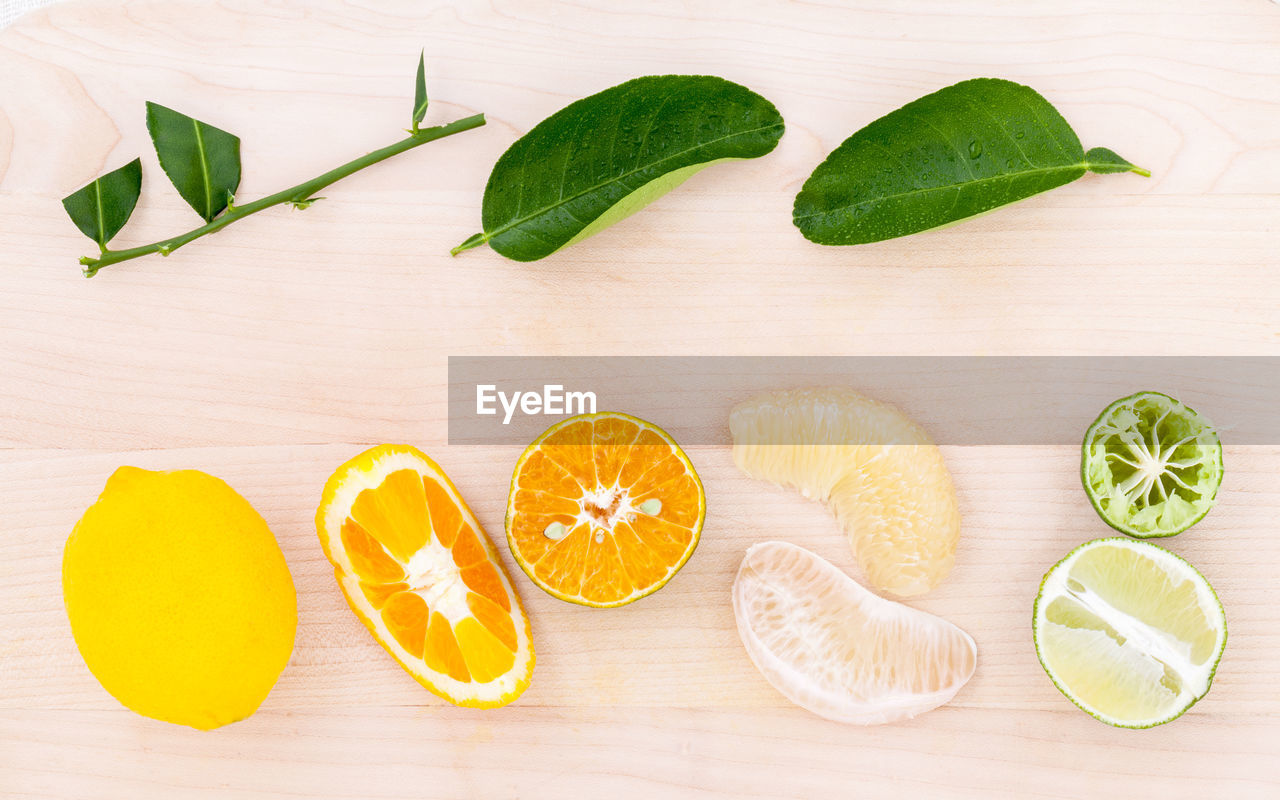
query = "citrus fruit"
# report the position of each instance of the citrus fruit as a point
(423, 577)
(1128, 631)
(1151, 466)
(179, 597)
(604, 509)
(836, 649)
(878, 471)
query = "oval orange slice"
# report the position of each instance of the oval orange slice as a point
(423, 577)
(604, 509)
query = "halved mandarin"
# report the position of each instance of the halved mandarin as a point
(423, 577)
(604, 509)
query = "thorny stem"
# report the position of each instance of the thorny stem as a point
(299, 195)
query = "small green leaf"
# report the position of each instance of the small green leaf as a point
(202, 161)
(607, 156)
(101, 208)
(961, 151)
(420, 92)
(1102, 160)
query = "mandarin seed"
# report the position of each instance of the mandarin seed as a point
(555, 531)
(651, 506)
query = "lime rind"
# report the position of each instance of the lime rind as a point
(1151, 465)
(1208, 601)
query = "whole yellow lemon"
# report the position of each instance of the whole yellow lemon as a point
(179, 597)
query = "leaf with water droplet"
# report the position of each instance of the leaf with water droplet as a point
(953, 154)
(602, 158)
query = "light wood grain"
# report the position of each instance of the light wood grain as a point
(270, 353)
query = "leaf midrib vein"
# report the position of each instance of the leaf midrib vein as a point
(204, 171)
(620, 178)
(102, 223)
(956, 186)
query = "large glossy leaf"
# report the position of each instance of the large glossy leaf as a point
(202, 161)
(101, 208)
(960, 151)
(606, 156)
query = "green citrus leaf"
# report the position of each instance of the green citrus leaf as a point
(420, 91)
(202, 161)
(101, 208)
(961, 151)
(606, 156)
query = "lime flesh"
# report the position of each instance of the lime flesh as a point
(1129, 632)
(1151, 465)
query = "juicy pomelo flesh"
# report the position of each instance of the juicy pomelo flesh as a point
(1128, 631)
(179, 598)
(836, 649)
(879, 472)
(420, 573)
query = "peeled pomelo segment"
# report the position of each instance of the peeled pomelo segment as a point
(834, 648)
(422, 576)
(880, 473)
(1128, 631)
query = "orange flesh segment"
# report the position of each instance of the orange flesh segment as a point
(613, 438)
(570, 447)
(368, 558)
(395, 514)
(486, 656)
(467, 550)
(445, 519)
(493, 617)
(442, 653)
(405, 615)
(572, 478)
(379, 593)
(483, 579)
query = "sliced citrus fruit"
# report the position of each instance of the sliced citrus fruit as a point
(834, 648)
(604, 509)
(1151, 466)
(423, 577)
(880, 473)
(1129, 632)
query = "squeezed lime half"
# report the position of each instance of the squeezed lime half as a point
(1151, 465)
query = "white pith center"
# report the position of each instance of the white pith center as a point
(1150, 462)
(432, 575)
(601, 510)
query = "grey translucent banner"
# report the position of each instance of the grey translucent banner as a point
(958, 400)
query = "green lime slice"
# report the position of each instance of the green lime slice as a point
(1129, 632)
(1151, 466)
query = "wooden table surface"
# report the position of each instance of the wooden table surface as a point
(272, 352)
